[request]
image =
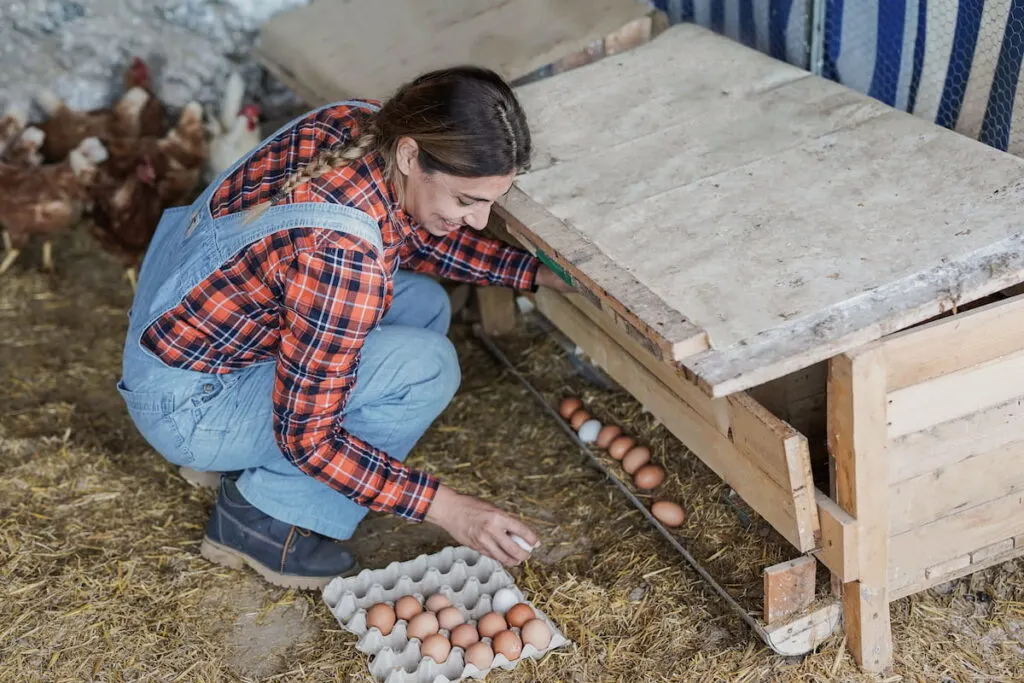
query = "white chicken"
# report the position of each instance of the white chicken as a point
(235, 132)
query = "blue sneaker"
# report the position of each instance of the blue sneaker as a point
(238, 534)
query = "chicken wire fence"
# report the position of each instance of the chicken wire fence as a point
(956, 63)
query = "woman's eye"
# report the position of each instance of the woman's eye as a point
(465, 202)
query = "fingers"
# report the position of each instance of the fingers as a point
(524, 532)
(512, 549)
(496, 551)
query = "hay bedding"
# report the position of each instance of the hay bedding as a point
(101, 580)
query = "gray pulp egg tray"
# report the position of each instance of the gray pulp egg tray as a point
(464, 576)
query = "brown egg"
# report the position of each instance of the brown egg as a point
(449, 618)
(407, 607)
(607, 435)
(578, 418)
(519, 615)
(423, 625)
(491, 624)
(381, 617)
(535, 632)
(668, 513)
(480, 655)
(620, 446)
(649, 477)
(569, 406)
(508, 643)
(465, 635)
(636, 458)
(437, 602)
(436, 647)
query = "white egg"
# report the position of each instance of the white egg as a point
(589, 430)
(521, 542)
(503, 600)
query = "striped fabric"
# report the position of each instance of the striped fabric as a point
(776, 27)
(954, 62)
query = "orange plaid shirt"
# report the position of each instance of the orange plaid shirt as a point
(307, 297)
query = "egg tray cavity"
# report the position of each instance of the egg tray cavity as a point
(464, 576)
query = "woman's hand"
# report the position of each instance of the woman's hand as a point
(480, 525)
(547, 278)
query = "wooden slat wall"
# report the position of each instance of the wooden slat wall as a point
(956, 445)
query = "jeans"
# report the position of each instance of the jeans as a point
(407, 374)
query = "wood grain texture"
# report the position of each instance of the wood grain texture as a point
(788, 588)
(736, 190)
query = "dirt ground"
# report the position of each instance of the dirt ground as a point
(101, 579)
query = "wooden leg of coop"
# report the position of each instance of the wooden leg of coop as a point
(857, 441)
(497, 307)
(130, 274)
(10, 253)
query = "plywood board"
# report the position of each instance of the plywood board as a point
(788, 218)
(336, 49)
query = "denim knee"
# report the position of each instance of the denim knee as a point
(437, 356)
(435, 301)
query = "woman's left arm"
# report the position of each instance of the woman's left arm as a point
(466, 256)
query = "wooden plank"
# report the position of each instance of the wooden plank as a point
(958, 486)
(755, 271)
(946, 568)
(856, 430)
(955, 343)
(513, 37)
(950, 442)
(665, 333)
(754, 485)
(916, 584)
(497, 309)
(945, 398)
(789, 588)
(804, 634)
(839, 549)
(991, 551)
(914, 550)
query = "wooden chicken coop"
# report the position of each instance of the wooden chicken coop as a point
(804, 285)
(796, 279)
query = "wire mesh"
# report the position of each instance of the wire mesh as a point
(954, 62)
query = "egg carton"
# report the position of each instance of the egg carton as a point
(467, 578)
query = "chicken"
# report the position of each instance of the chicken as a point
(19, 146)
(176, 158)
(152, 117)
(46, 200)
(235, 131)
(125, 215)
(66, 128)
(24, 151)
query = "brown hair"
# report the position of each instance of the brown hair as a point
(465, 120)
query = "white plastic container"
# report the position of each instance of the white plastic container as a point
(466, 577)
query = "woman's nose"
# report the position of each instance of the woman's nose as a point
(478, 219)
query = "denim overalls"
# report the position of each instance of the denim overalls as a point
(408, 370)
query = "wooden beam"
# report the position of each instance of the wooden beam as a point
(857, 442)
(955, 343)
(744, 469)
(667, 333)
(839, 549)
(938, 400)
(789, 588)
(803, 634)
(497, 306)
(953, 569)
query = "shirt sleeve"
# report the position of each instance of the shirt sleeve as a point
(467, 256)
(334, 297)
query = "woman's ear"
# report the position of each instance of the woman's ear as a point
(406, 154)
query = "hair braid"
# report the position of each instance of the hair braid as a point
(324, 161)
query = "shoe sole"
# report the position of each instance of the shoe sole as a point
(203, 480)
(233, 559)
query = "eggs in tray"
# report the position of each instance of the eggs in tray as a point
(443, 617)
(635, 459)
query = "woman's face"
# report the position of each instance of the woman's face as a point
(444, 203)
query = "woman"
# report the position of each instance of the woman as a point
(273, 335)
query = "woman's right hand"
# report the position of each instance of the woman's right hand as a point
(481, 526)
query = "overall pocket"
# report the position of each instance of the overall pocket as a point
(153, 414)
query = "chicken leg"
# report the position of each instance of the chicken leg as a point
(48, 256)
(10, 254)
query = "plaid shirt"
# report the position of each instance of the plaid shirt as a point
(307, 298)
